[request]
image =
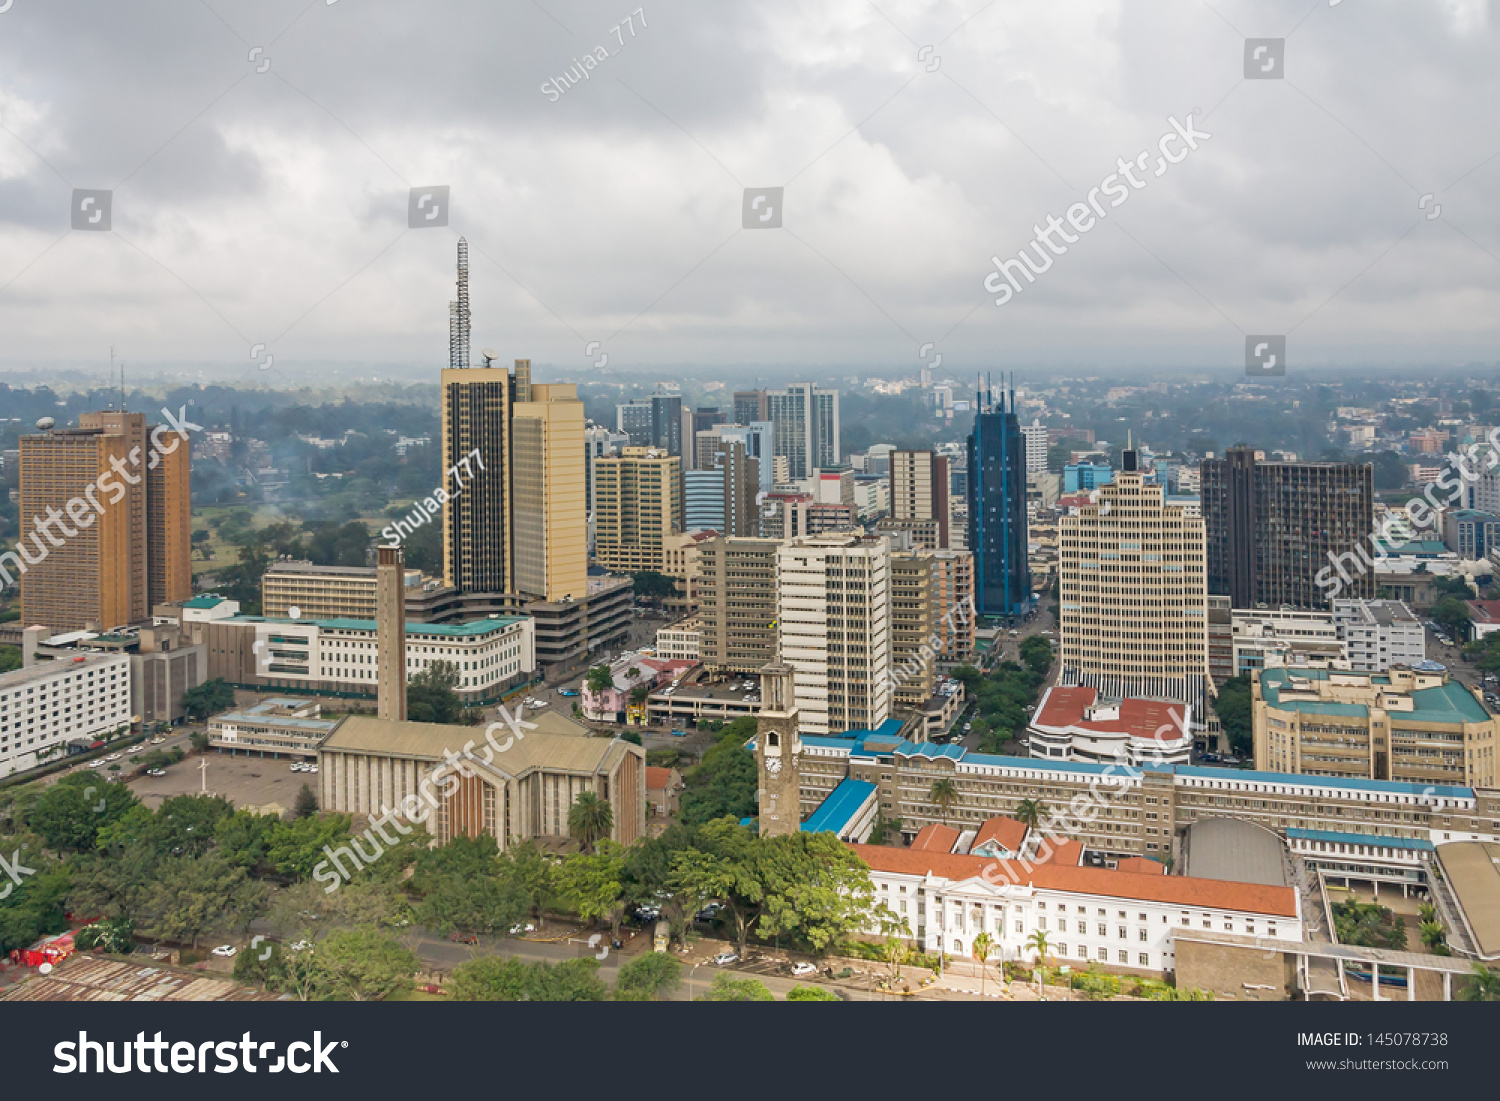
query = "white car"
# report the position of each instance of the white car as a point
(97, 764)
(157, 740)
(517, 930)
(724, 959)
(804, 968)
(113, 757)
(311, 768)
(136, 749)
(225, 950)
(156, 772)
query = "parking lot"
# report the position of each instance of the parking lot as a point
(246, 781)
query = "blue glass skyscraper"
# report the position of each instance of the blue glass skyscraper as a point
(997, 508)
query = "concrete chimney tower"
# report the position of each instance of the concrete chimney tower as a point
(390, 632)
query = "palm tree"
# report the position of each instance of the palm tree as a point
(944, 793)
(1038, 941)
(1031, 812)
(1484, 986)
(982, 945)
(590, 819)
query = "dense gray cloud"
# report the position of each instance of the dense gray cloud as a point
(270, 207)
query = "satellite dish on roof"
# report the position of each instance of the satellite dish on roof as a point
(46, 424)
(490, 355)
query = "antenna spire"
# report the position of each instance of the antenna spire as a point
(458, 312)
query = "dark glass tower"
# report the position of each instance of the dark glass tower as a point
(997, 508)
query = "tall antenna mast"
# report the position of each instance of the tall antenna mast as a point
(458, 312)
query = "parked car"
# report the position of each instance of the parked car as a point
(156, 772)
(724, 959)
(136, 749)
(97, 764)
(679, 733)
(569, 692)
(226, 950)
(804, 968)
(113, 757)
(517, 930)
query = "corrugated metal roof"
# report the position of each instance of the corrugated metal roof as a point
(87, 979)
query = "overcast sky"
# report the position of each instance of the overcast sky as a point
(915, 141)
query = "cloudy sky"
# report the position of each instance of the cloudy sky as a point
(260, 157)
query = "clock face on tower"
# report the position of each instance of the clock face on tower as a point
(773, 765)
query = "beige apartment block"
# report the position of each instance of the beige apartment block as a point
(1133, 598)
(637, 500)
(323, 592)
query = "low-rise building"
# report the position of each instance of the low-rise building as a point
(634, 677)
(680, 641)
(455, 783)
(273, 727)
(1076, 724)
(1125, 920)
(1378, 634)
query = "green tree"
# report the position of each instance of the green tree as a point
(241, 838)
(724, 783)
(208, 698)
(721, 864)
(361, 965)
(1452, 614)
(592, 884)
(590, 819)
(1031, 812)
(1038, 943)
(532, 872)
(984, 944)
(648, 978)
(1483, 985)
(599, 679)
(800, 993)
(816, 891)
(492, 979)
(294, 849)
(472, 904)
(431, 694)
(969, 677)
(307, 803)
(1036, 653)
(727, 988)
(191, 896)
(1233, 706)
(943, 793)
(653, 587)
(69, 814)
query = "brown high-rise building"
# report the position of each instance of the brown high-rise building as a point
(737, 603)
(476, 521)
(751, 406)
(111, 522)
(1271, 527)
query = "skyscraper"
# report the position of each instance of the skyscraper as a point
(751, 406)
(1271, 527)
(833, 626)
(755, 438)
(919, 490)
(737, 613)
(997, 508)
(133, 551)
(806, 427)
(652, 422)
(1133, 601)
(549, 509)
(476, 403)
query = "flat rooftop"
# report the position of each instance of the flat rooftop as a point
(1235, 851)
(57, 667)
(1470, 868)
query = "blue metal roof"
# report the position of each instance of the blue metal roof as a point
(1362, 839)
(1389, 786)
(842, 804)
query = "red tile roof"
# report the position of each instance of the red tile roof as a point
(657, 779)
(1484, 611)
(935, 838)
(1177, 890)
(1141, 865)
(1009, 832)
(1064, 707)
